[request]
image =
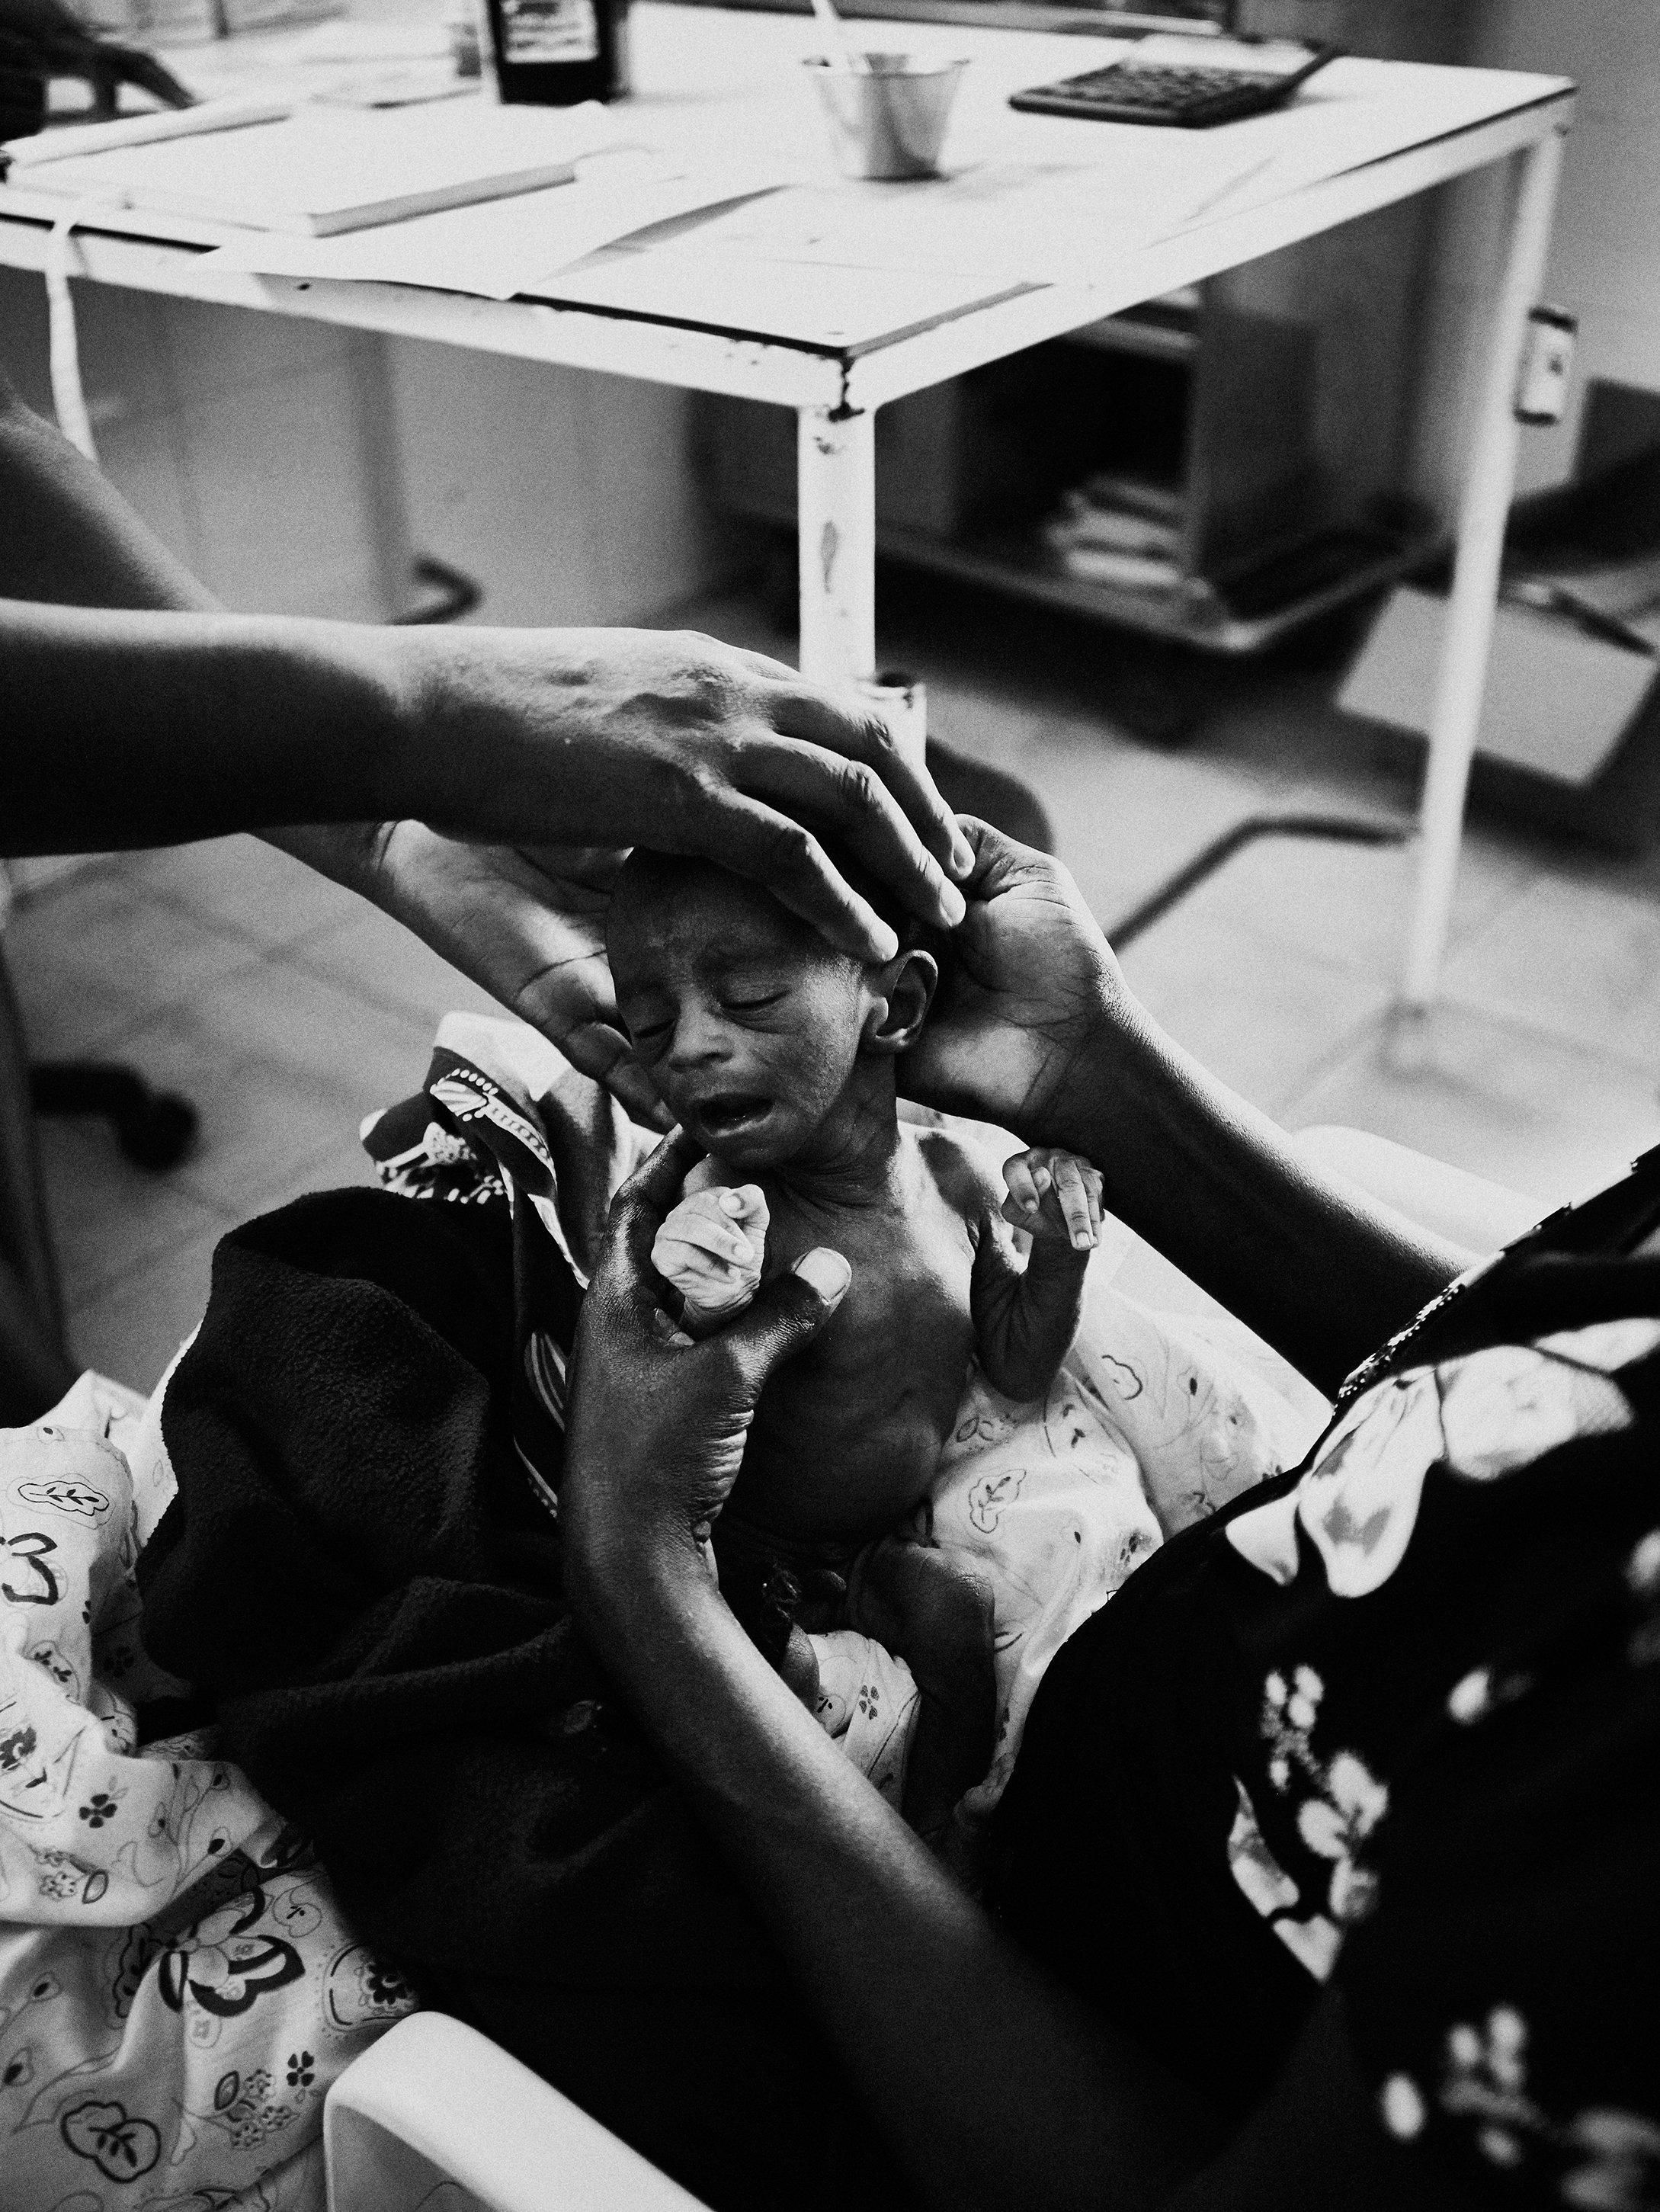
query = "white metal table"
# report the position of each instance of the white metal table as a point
(835, 342)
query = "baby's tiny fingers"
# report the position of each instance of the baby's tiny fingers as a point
(1074, 1198)
(713, 1234)
(751, 1207)
(1092, 1188)
(682, 1263)
(1024, 1193)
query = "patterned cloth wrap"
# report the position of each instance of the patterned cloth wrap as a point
(1150, 1424)
(177, 1990)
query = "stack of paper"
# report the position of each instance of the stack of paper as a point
(1122, 530)
(319, 172)
(516, 246)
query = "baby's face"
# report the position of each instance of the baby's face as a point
(748, 1023)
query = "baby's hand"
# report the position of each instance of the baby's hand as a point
(710, 1248)
(1054, 1193)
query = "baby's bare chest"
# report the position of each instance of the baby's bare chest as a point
(849, 1434)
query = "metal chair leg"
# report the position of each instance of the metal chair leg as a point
(1340, 829)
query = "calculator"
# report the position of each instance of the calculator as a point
(1162, 80)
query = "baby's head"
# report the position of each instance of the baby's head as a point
(752, 1028)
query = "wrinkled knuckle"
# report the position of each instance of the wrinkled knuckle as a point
(710, 678)
(675, 780)
(861, 788)
(792, 847)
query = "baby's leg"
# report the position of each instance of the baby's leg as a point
(765, 1596)
(935, 1613)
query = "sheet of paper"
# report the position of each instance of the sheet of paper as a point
(1083, 195)
(325, 170)
(1347, 117)
(512, 246)
(72, 141)
(1007, 222)
(405, 40)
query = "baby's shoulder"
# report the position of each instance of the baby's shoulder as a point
(967, 1177)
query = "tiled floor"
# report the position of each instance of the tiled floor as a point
(286, 1010)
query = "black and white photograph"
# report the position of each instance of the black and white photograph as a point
(830, 1105)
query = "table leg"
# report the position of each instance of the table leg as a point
(835, 475)
(1483, 509)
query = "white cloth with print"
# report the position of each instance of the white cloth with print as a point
(177, 1988)
(1149, 1425)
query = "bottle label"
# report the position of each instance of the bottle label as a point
(537, 32)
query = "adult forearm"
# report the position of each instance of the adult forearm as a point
(69, 538)
(1319, 1270)
(125, 729)
(926, 2004)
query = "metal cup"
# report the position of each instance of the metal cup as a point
(888, 121)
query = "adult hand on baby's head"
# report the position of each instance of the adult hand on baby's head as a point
(656, 1429)
(530, 928)
(684, 745)
(1031, 988)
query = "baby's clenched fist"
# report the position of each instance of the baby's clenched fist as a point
(1054, 1193)
(710, 1249)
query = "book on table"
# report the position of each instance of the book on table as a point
(319, 171)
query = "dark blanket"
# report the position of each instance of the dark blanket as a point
(358, 1574)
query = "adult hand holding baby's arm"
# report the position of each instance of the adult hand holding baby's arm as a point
(656, 1429)
(710, 1249)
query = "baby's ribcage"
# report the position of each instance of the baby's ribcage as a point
(848, 1436)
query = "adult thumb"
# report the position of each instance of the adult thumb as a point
(786, 1313)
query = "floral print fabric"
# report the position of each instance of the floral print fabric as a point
(176, 1989)
(1395, 1725)
(1472, 1979)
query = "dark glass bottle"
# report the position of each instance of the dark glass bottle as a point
(555, 52)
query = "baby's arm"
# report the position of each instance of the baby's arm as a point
(710, 1250)
(1025, 1319)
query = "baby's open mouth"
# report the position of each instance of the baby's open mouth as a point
(734, 1111)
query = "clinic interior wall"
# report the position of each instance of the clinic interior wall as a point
(1605, 256)
(297, 467)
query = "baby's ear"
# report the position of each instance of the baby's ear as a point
(906, 989)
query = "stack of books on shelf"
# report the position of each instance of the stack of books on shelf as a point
(1121, 531)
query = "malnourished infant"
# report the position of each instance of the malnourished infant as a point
(779, 1054)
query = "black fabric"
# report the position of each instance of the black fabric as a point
(1395, 1719)
(358, 1573)
(1390, 1719)
(1104, 1856)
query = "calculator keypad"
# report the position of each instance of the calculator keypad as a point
(1153, 84)
(1160, 92)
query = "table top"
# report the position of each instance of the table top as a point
(825, 292)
